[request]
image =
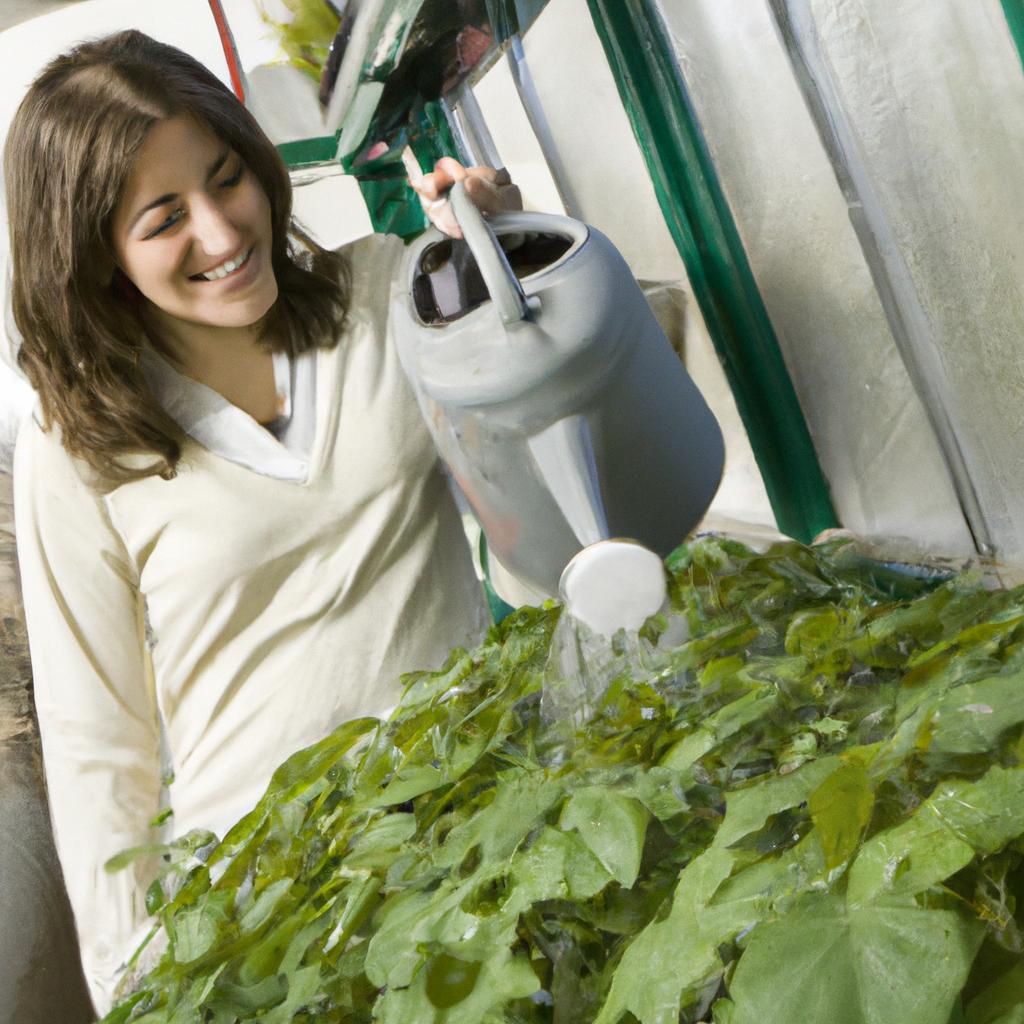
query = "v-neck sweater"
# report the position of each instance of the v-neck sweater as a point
(276, 610)
(280, 449)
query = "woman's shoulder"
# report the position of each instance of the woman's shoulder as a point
(42, 460)
(39, 447)
(373, 262)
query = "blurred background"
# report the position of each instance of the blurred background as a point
(13, 11)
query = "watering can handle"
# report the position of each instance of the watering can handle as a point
(502, 283)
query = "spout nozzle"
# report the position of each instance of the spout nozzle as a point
(612, 585)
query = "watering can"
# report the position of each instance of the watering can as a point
(561, 410)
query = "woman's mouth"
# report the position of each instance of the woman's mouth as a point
(226, 269)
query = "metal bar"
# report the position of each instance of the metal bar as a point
(534, 110)
(701, 224)
(908, 320)
(469, 129)
(1014, 11)
(347, 83)
(227, 42)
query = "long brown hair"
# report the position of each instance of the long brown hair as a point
(70, 149)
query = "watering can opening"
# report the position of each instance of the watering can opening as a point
(447, 283)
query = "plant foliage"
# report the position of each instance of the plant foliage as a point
(307, 34)
(806, 806)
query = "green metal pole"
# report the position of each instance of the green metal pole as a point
(1014, 11)
(701, 223)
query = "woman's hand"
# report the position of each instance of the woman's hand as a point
(492, 191)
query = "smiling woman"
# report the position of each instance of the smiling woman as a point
(120, 135)
(204, 231)
(233, 532)
(200, 254)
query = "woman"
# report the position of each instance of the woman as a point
(232, 529)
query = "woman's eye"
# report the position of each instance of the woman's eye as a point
(168, 222)
(233, 180)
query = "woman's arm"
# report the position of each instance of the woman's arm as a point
(94, 698)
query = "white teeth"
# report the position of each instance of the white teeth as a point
(225, 268)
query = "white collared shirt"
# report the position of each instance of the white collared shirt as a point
(280, 449)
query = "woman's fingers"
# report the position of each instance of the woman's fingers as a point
(490, 189)
(493, 195)
(435, 184)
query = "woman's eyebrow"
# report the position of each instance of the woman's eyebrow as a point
(216, 165)
(171, 196)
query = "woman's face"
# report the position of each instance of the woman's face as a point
(192, 230)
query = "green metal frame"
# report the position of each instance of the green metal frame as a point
(308, 152)
(702, 226)
(430, 136)
(1014, 11)
(393, 206)
(498, 607)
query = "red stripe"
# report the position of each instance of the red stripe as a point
(228, 45)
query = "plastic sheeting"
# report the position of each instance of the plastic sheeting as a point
(934, 95)
(930, 95)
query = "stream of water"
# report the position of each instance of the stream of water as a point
(582, 664)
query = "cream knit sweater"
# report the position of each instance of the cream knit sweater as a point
(277, 611)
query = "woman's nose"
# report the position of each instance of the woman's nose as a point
(213, 231)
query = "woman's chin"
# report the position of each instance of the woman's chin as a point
(248, 312)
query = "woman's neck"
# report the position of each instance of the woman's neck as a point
(233, 361)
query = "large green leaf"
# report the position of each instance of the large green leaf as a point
(841, 808)
(612, 826)
(971, 718)
(880, 964)
(748, 809)
(448, 991)
(556, 866)
(957, 821)
(673, 956)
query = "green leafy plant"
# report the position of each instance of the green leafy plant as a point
(307, 35)
(799, 798)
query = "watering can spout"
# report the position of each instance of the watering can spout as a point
(565, 460)
(613, 585)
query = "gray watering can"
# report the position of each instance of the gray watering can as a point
(558, 404)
